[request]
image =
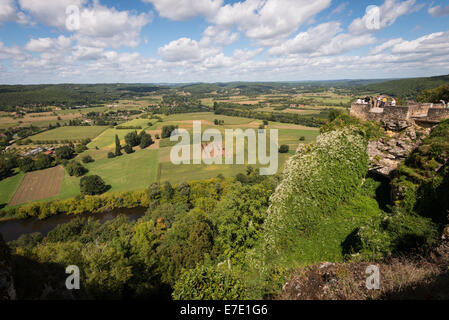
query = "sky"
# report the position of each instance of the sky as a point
(183, 41)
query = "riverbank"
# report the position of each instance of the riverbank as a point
(11, 230)
(79, 205)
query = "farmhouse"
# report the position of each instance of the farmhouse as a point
(34, 152)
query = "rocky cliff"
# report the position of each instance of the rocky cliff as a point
(7, 290)
(401, 138)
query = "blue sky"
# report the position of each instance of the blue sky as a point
(157, 41)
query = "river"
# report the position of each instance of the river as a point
(12, 230)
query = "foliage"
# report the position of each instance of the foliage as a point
(92, 185)
(87, 159)
(435, 95)
(208, 283)
(64, 153)
(118, 147)
(74, 168)
(284, 148)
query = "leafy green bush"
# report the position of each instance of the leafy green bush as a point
(208, 283)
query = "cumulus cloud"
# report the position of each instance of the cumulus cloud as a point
(389, 12)
(49, 44)
(185, 9)
(385, 46)
(185, 49)
(435, 43)
(10, 12)
(219, 36)
(8, 52)
(269, 20)
(309, 41)
(50, 12)
(439, 11)
(101, 26)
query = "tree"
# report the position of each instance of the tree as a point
(145, 140)
(26, 164)
(168, 191)
(118, 147)
(154, 191)
(284, 148)
(92, 185)
(435, 95)
(167, 131)
(132, 139)
(43, 161)
(74, 168)
(128, 149)
(80, 148)
(64, 153)
(87, 159)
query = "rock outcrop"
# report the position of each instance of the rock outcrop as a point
(402, 137)
(7, 290)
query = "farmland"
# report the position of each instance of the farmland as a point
(139, 169)
(69, 133)
(38, 185)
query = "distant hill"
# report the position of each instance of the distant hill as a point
(408, 88)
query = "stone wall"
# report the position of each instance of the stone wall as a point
(424, 112)
(360, 111)
(438, 114)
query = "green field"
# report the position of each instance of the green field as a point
(69, 133)
(127, 172)
(107, 138)
(9, 186)
(139, 169)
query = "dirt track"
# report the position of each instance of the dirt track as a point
(39, 185)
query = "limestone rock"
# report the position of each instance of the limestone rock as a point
(401, 140)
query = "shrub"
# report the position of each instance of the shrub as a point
(284, 148)
(87, 159)
(111, 155)
(128, 149)
(208, 283)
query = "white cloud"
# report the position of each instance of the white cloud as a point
(7, 10)
(101, 26)
(309, 41)
(390, 11)
(435, 43)
(185, 49)
(269, 20)
(220, 36)
(385, 46)
(10, 12)
(185, 9)
(439, 11)
(8, 52)
(49, 44)
(50, 12)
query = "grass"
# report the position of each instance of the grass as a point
(107, 138)
(208, 116)
(9, 186)
(127, 172)
(69, 133)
